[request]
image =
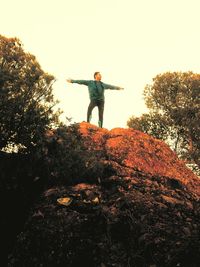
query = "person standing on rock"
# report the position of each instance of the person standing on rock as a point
(96, 93)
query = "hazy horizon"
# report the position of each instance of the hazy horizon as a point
(128, 41)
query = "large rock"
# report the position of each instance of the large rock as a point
(138, 206)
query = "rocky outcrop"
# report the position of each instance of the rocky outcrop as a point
(137, 206)
(134, 151)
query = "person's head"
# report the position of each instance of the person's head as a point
(97, 76)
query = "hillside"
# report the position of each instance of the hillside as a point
(136, 204)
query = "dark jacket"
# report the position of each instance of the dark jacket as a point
(96, 88)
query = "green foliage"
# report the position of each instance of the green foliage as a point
(66, 158)
(153, 124)
(174, 103)
(62, 154)
(26, 99)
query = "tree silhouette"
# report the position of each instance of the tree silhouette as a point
(174, 104)
(26, 99)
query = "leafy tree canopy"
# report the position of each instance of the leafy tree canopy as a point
(26, 98)
(173, 100)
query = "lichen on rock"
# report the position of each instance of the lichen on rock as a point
(141, 209)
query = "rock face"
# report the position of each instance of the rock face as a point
(138, 206)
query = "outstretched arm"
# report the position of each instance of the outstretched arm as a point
(84, 82)
(112, 87)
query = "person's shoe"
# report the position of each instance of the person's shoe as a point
(100, 124)
(90, 118)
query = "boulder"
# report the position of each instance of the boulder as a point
(137, 206)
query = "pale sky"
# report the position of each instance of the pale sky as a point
(128, 41)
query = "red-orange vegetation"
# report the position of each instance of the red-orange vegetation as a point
(141, 152)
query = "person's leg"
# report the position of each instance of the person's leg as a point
(90, 108)
(101, 110)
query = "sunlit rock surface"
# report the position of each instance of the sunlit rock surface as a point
(138, 206)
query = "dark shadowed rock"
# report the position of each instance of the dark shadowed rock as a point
(137, 206)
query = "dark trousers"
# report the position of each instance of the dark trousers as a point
(92, 105)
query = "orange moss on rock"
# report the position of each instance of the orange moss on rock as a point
(141, 152)
(134, 204)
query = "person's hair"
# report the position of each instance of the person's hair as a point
(96, 73)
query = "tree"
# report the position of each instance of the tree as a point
(174, 104)
(152, 123)
(26, 99)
